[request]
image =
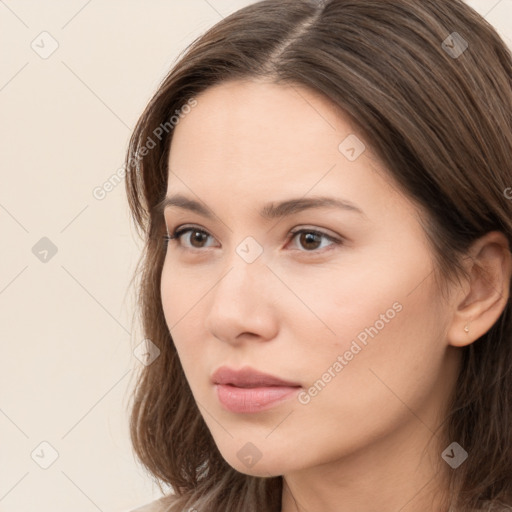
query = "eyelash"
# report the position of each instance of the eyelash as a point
(178, 233)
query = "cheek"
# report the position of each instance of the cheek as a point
(379, 319)
(181, 303)
(386, 359)
(181, 290)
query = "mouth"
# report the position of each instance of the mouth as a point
(256, 399)
(248, 390)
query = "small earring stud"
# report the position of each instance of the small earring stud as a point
(466, 328)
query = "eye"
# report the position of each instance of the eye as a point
(310, 239)
(197, 238)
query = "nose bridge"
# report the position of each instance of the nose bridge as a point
(240, 300)
(243, 279)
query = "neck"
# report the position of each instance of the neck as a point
(401, 472)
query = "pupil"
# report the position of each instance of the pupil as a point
(197, 237)
(311, 238)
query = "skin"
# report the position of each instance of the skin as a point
(368, 440)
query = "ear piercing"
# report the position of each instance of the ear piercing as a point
(466, 328)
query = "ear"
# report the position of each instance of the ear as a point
(478, 304)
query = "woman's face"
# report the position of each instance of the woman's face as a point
(350, 316)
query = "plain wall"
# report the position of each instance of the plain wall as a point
(68, 250)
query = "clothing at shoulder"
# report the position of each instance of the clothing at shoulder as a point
(159, 505)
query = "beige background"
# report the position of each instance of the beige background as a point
(67, 365)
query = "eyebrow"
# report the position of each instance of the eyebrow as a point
(269, 211)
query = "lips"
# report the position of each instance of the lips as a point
(251, 391)
(248, 378)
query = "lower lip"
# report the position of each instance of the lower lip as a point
(236, 399)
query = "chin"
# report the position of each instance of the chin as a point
(262, 468)
(257, 471)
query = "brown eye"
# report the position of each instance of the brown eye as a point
(311, 240)
(196, 239)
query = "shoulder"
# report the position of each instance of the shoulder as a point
(159, 505)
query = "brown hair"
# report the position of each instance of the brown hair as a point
(442, 124)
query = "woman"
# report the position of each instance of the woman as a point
(324, 193)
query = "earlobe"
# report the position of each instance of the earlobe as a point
(477, 306)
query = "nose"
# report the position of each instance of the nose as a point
(242, 304)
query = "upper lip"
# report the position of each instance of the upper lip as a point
(248, 378)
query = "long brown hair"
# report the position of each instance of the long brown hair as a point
(438, 114)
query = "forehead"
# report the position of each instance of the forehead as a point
(259, 142)
(259, 127)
